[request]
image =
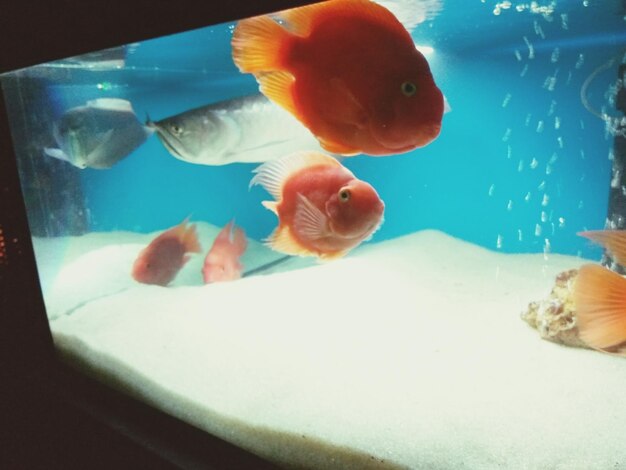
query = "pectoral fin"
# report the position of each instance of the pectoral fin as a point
(309, 221)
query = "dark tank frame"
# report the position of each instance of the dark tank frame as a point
(52, 416)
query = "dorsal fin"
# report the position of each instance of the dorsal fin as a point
(301, 20)
(272, 175)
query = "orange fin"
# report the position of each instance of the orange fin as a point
(600, 299)
(302, 20)
(282, 240)
(339, 149)
(257, 43)
(278, 87)
(614, 241)
(334, 255)
(271, 205)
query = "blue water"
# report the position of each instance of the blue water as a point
(520, 165)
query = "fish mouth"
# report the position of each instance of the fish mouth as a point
(169, 141)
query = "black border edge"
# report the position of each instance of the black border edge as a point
(52, 416)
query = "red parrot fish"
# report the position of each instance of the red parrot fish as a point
(323, 209)
(160, 261)
(222, 260)
(349, 71)
(600, 296)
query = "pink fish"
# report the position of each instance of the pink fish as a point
(161, 260)
(323, 209)
(222, 260)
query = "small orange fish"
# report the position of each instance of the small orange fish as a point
(349, 71)
(322, 209)
(600, 297)
(222, 260)
(161, 260)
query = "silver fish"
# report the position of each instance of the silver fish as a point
(247, 129)
(99, 134)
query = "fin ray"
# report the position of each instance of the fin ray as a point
(309, 220)
(257, 43)
(272, 174)
(278, 86)
(600, 299)
(614, 241)
(282, 240)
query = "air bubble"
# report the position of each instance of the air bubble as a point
(537, 230)
(580, 61)
(492, 188)
(509, 206)
(499, 242)
(553, 158)
(527, 197)
(540, 126)
(524, 71)
(520, 166)
(557, 122)
(545, 201)
(552, 108)
(506, 100)
(534, 163)
(531, 49)
(507, 135)
(546, 246)
(617, 176)
(542, 186)
(564, 21)
(555, 55)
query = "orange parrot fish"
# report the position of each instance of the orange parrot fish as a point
(222, 260)
(600, 296)
(322, 209)
(349, 71)
(161, 260)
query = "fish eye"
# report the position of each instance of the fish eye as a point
(176, 129)
(344, 195)
(408, 88)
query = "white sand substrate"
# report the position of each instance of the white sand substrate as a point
(406, 353)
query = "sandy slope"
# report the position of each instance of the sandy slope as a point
(409, 352)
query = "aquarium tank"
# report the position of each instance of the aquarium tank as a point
(353, 234)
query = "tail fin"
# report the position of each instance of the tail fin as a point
(613, 240)
(257, 43)
(600, 299)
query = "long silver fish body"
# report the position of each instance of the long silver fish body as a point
(98, 134)
(250, 129)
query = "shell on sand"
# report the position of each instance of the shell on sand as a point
(554, 317)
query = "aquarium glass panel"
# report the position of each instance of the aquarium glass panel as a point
(350, 234)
